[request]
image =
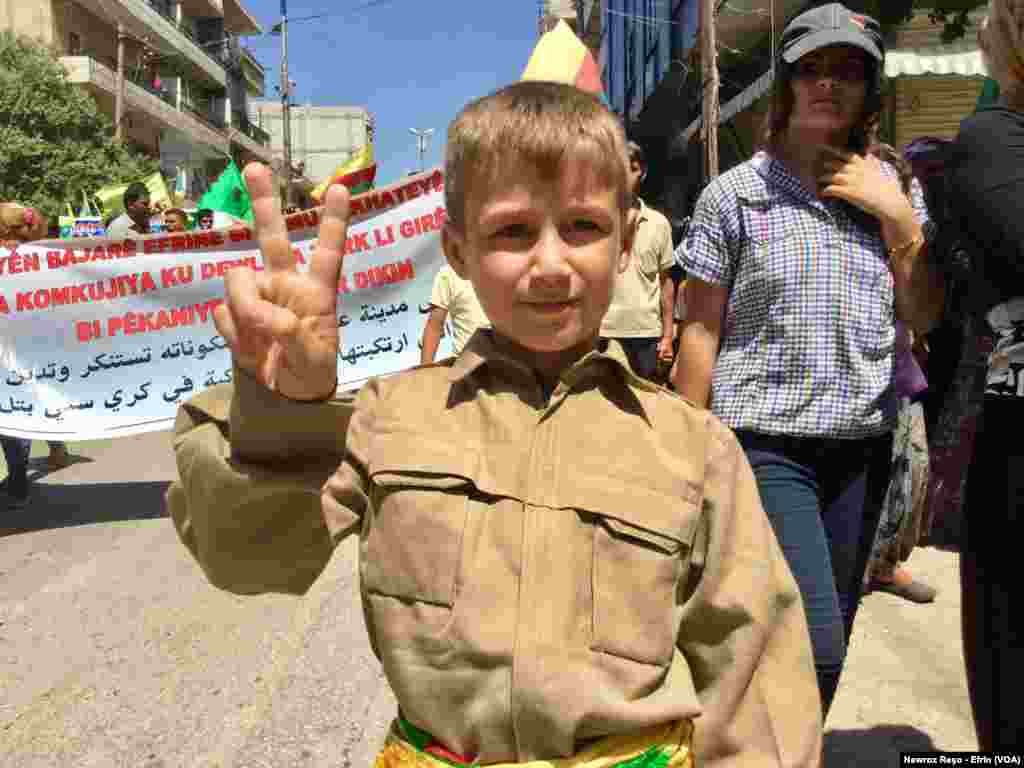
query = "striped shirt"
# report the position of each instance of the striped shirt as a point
(808, 343)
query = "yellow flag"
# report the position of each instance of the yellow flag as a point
(112, 197)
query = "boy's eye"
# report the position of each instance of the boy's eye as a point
(513, 230)
(585, 225)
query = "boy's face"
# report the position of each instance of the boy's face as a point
(543, 257)
(175, 222)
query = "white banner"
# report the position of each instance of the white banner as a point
(100, 338)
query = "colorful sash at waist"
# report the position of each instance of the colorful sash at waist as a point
(660, 746)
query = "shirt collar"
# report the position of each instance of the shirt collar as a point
(609, 358)
(643, 215)
(778, 181)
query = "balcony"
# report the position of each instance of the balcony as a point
(203, 112)
(98, 77)
(250, 129)
(152, 20)
(251, 137)
(253, 72)
(238, 20)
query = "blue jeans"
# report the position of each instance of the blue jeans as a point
(16, 451)
(823, 498)
(642, 354)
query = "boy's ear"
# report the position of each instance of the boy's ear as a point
(631, 221)
(453, 243)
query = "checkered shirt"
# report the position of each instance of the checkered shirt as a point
(808, 341)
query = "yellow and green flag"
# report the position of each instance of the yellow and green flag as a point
(357, 173)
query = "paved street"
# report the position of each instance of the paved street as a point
(114, 651)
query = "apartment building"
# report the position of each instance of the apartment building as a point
(188, 77)
(323, 137)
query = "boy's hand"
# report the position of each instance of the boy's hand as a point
(665, 349)
(281, 324)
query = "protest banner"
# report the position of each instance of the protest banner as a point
(102, 338)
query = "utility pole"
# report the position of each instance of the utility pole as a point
(119, 95)
(709, 72)
(286, 118)
(422, 139)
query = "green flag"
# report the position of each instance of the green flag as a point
(229, 195)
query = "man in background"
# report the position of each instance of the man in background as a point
(175, 220)
(135, 219)
(204, 218)
(455, 297)
(640, 316)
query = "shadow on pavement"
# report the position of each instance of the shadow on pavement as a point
(877, 747)
(59, 506)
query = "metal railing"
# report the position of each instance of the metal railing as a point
(249, 56)
(202, 112)
(217, 51)
(133, 74)
(243, 124)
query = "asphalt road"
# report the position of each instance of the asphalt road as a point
(114, 650)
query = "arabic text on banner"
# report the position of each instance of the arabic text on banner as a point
(106, 338)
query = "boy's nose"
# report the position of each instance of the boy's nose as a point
(550, 270)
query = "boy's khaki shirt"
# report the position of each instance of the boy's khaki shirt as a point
(535, 573)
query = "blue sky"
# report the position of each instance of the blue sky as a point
(412, 63)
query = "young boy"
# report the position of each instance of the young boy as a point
(451, 297)
(559, 561)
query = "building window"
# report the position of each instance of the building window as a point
(74, 44)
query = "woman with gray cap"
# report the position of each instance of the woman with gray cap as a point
(985, 186)
(800, 261)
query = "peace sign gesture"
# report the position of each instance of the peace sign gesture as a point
(280, 324)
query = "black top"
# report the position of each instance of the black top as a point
(985, 178)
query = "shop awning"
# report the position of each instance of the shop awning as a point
(960, 58)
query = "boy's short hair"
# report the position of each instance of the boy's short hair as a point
(176, 212)
(531, 123)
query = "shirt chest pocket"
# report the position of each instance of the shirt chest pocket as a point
(413, 546)
(641, 547)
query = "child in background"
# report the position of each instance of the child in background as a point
(451, 297)
(559, 561)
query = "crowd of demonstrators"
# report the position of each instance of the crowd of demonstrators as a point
(640, 316)
(531, 506)
(798, 262)
(985, 225)
(452, 299)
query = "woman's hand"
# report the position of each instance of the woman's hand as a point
(281, 324)
(860, 181)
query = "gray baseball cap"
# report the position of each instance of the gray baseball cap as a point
(832, 24)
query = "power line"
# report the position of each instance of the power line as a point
(328, 14)
(640, 19)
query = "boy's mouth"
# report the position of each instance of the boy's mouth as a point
(550, 307)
